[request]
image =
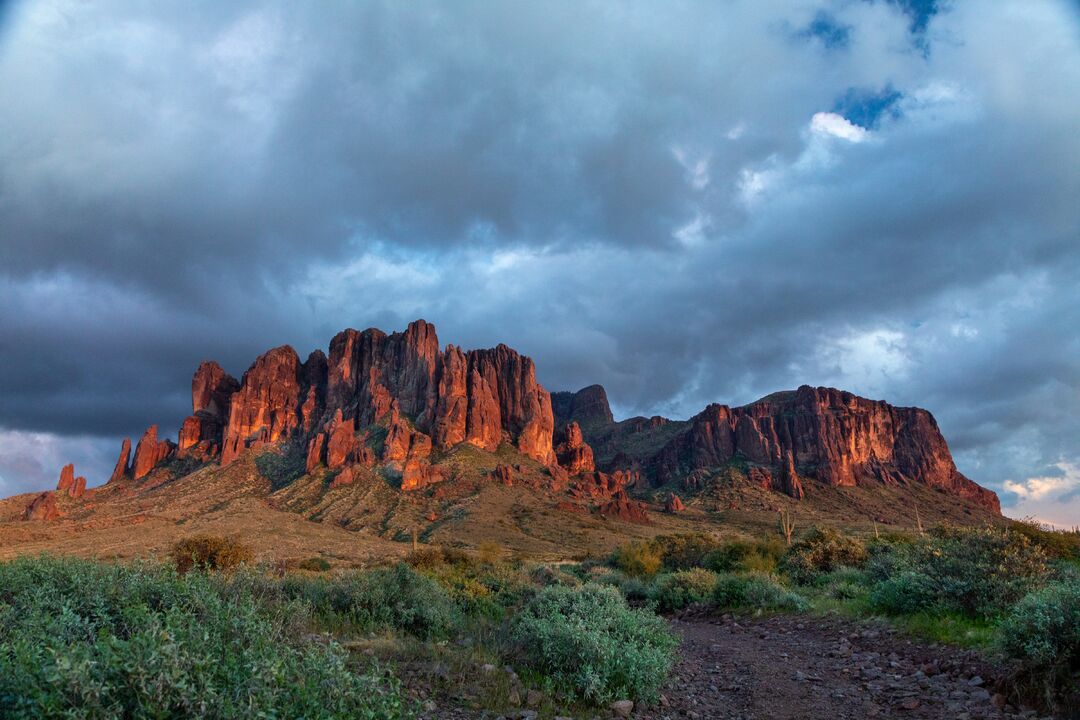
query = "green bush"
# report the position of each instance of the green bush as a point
(822, 551)
(210, 552)
(978, 572)
(761, 556)
(85, 640)
(638, 558)
(1057, 544)
(591, 645)
(395, 598)
(845, 583)
(635, 590)
(754, 591)
(906, 594)
(1043, 633)
(684, 551)
(677, 590)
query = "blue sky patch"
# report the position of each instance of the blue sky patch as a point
(865, 107)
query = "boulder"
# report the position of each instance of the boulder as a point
(673, 504)
(42, 507)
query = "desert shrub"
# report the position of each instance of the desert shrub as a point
(397, 598)
(973, 571)
(430, 557)
(1057, 544)
(823, 550)
(283, 465)
(677, 590)
(634, 589)
(485, 589)
(886, 558)
(638, 558)
(1043, 633)
(86, 640)
(754, 591)
(759, 556)
(591, 645)
(314, 564)
(210, 552)
(844, 583)
(685, 550)
(907, 593)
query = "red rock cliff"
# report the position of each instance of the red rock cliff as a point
(212, 390)
(832, 436)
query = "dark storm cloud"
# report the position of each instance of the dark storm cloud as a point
(708, 202)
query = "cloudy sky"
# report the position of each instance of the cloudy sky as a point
(686, 202)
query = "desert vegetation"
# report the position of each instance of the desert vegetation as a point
(210, 633)
(1013, 591)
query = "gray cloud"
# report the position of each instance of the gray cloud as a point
(709, 202)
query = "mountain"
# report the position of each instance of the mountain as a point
(391, 433)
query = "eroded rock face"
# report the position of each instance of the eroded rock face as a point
(266, 408)
(573, 452)
(122, 469)
(67, 478)
(838, 438)
(211, 399)
(149, 452)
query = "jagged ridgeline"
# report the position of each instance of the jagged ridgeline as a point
(401, 412)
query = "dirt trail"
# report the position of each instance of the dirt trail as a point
(812, 669)
(791, 667)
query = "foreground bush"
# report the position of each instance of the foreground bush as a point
(592, 645)
(396, 598)
(1043, 633)
(979, 572)
(677, 590)
(822, 551)
(86, 640)
(755, 591)
(210, 552)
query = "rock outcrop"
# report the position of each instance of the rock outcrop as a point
(834, 437)
(622, 507)
(673, 503)
(122, 468)
(573, 452)
(42, 507)
(212, 390)
(149, 452)
(73, 487)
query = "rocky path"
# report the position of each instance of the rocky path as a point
(811, 668)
